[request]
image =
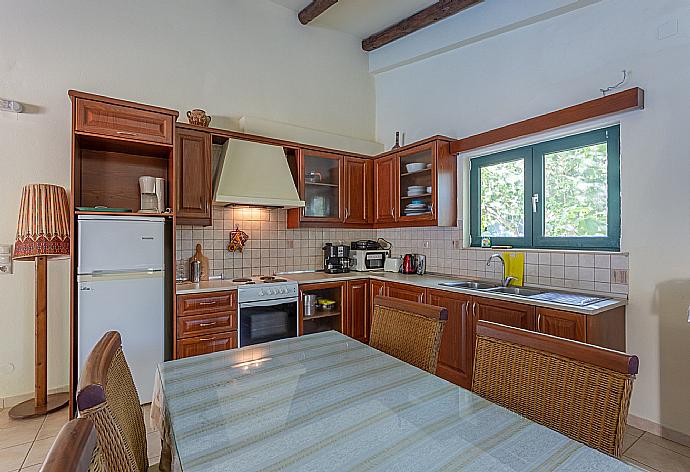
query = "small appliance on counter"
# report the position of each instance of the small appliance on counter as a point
(420, 259)
(336, 259)
(392, 264)
(152, 194)
(409, 264)
(365, 260)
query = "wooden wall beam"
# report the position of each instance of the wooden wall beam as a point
(314, 9)
(630, 99)
(423, 18)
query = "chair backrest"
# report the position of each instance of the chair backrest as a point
(108, 397)
(580, 390)
(74, 449)
(408, 330)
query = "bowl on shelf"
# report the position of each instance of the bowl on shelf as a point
(415, 166)
(325, 304)
(415, 190)
(428, 189)
(428, 166)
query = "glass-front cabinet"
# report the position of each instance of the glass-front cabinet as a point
(417, 174)
(321, 184)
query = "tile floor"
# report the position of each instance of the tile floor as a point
(24, 445)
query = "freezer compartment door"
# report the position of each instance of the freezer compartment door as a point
(116, 245)
(134, 307)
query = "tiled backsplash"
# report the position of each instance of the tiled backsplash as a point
(273, 248)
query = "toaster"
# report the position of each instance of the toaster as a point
(392, 264)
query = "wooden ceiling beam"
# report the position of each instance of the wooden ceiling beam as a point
(314, 9)
(423, 18)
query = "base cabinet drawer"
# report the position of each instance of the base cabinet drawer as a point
(563, 324)
(407, 292)
(197, 346)
(206, 303)
(124, 122)
(196, 325)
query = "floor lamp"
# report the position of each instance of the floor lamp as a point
(42, 233)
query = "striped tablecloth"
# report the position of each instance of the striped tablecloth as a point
(326, 402)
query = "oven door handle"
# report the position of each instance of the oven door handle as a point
(277, 301)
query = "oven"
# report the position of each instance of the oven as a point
(266, 315)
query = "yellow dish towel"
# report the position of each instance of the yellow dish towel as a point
(515, 266)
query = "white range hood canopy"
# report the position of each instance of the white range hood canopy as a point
(255, 174)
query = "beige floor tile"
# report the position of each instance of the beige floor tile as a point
(11, 458)
(38, 452)
(53, 423)
(674, 446)
(658, 457)
(634, 431)
(32, 468)
(7, 422)
(153, 444)
(15, 436)
(628, 440)
(638, 464)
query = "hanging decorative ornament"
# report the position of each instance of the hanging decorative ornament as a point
(237, 239)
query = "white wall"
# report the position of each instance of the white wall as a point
(230, 57)
(559, 62)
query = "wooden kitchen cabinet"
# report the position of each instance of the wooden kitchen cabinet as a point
(358, 316)
(385, 189)
(197, 346)
(564, 324)
(205, 322)
(455, 357)
(321, 185)
(406, 292)
(324, 320)
(140, 123)
(193, 177)
(358, 190)
(513, 314)
(376, 287)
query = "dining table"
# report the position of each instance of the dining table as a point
(326, 402)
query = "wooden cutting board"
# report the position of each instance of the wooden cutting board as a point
(199, 256)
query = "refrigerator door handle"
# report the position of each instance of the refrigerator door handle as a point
(105, 273)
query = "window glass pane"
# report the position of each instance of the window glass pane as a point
(575, 192)
(502, 199)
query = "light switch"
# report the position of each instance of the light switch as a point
(5, 259)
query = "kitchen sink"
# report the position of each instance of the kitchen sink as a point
(470, 285)
(523, 292)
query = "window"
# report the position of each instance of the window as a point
(557, 194)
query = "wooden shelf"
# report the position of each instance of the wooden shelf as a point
(409, 197)
(321, 314)
(428, 169)
(122, 213)
(321, 184)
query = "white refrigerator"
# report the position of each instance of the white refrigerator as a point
(121, 287)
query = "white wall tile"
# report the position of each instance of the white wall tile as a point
(602, 261)
(586, 260)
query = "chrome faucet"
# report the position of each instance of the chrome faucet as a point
(505, 281)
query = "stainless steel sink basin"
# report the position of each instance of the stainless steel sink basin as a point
(523, 292)
(470, 285)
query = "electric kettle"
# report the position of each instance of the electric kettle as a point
(409, 264)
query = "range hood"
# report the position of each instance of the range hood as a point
(250, 173)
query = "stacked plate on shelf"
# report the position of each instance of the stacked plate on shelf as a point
(416, 207)
(416, 190)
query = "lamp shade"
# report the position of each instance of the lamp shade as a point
(43, 226)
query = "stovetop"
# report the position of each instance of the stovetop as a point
(264, 287)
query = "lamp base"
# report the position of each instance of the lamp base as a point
(28, 409)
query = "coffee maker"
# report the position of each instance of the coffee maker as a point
(152, 194)
(336, 259)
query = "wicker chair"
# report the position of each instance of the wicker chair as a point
(580, 390)
(408, 330)
(108, 397)
(74, 449)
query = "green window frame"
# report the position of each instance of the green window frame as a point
(533, 158)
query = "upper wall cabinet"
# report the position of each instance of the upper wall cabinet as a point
(423, 189)
(109, 119)
(358, 190)
(193, 177)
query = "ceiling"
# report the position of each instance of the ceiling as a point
(360, 18)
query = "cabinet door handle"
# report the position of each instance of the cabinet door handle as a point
(126, 133)
(206, 339)
(474, 310)
(205, 325)
(538, 321)
(207, 303)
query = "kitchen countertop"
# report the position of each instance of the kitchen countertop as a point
(426, 281)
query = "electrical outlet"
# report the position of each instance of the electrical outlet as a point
(457, 244)
(427, 244)
(5, 258)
